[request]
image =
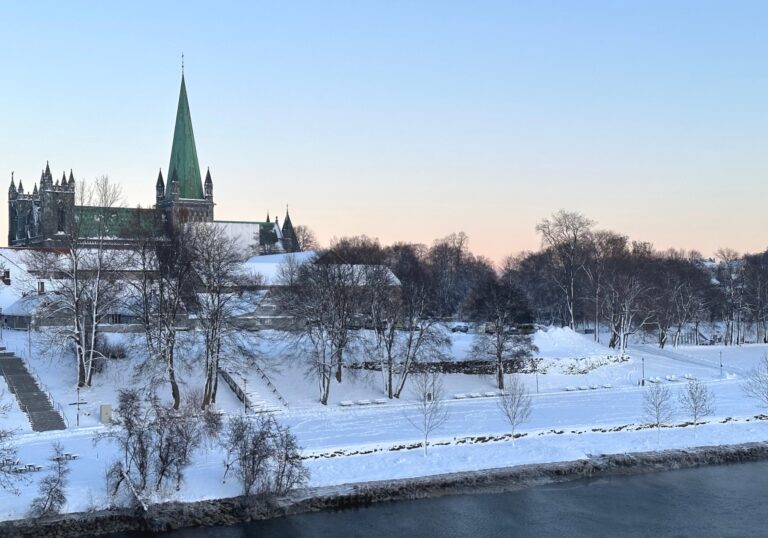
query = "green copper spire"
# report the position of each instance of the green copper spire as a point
(183, 152)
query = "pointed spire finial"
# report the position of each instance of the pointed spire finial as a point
(182, 64)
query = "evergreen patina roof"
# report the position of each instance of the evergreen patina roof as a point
(184, 153)
(125, 222)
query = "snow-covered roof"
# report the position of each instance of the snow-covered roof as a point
(270, 268)
(25, 306)
(246, 234)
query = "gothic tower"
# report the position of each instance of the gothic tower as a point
(184, 199)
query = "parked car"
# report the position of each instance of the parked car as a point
(461, 328)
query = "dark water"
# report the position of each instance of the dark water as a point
(728, 500)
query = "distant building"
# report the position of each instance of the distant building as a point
(49, 215)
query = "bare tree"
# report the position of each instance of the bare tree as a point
(52, 488)
(697, 401)
(501, 305)
(8, 478)
(431, 409)
(404, 335)
(83, 276)
(305, 238)
(264, 456)
(567, 234)
(215, 260)
(156, 300)
(515, 403)
(603, 246)
(756, 384)
(323, 300)
(176, 435)
(657, 405)
(157, 443)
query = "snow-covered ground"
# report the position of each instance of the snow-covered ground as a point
(564, 425)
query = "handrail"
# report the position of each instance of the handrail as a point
(270, 385)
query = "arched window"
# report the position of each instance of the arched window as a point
(61, 221)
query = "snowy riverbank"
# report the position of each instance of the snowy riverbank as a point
(221, 512)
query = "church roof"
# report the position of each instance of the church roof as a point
(117, 222)
(184, 153)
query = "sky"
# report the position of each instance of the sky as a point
(409, 120)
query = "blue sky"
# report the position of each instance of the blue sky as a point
(410, 120)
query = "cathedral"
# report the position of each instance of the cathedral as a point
(49, 215)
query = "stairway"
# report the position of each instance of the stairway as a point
(33, 401)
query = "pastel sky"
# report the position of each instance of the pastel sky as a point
(409, 120)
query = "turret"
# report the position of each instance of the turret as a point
(289, 235)
(12, 192)
(174, 186)
(71, 184)
(46, 179)
(208, 186)
(34, 191)
(21, 188)
(160, 187)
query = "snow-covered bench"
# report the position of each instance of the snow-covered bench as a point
(363, 402)
(583, 387)
(460, 396)
(607, 386)
(346, 403)
(570, 388)
(380, 401)
(475, 395)
(491, 394)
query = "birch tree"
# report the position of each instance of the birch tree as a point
(697, 401)
(756, 384)
(84, 277)
(515, 403)
(323, 300)
(215, 259)
(657, 406)
(403, 334)
(431, 411)
(157, 302)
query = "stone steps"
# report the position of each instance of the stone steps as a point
(32, 400)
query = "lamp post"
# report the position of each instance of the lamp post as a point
(721, 364)
(642, 382)
(78, 403)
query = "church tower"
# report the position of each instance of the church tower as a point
(184, 199)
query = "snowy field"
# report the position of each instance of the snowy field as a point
(570, 419)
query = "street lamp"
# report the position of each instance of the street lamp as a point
(642, 360)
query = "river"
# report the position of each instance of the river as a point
(725, 500)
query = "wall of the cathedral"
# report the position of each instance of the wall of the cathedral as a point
(43, 217)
